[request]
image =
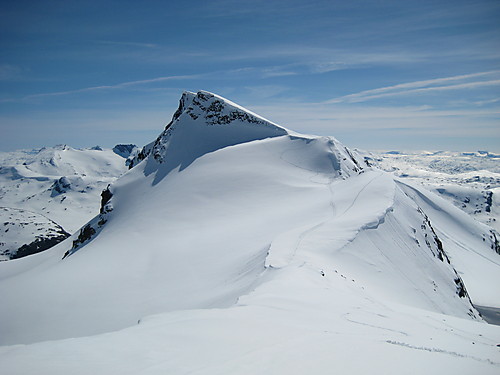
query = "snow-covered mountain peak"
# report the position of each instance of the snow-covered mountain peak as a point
(217, 110)
(203, 123)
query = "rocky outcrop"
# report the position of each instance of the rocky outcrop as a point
(124, 150)
(60, 186)
(24, 233)
(91, 229)
(39, 244)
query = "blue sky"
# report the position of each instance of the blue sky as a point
(374, 74)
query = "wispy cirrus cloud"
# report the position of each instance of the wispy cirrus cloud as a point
(484, 102)
(265, 91)
(300, 114)
(438, 84)
(9, 72)
(387, 127)
(121, 85)
(128, 44)
(258, 73)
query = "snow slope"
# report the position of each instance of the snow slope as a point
(241, 247)
(24, 233)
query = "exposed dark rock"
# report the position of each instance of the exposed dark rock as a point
(33, 233)
(105, 198)
(441, 254)
(85, 234)
(132, 161)
(89, 231)
(461, 291)
(124, 150)
(489, 201)
(357, 167)
(60, 186)
(40, 244)
(495, 245)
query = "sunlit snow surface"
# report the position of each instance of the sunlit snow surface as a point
(263, 252)
(61, 183)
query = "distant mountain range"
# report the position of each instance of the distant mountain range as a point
(57, 186)
(470, 180)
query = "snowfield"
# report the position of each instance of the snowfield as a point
(235, 246)
(61, 183)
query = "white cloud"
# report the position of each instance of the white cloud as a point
(265, 91)
(485, 102)
(128, 44)
(322, 118)
(8, 72)
(110, 87)
(438, 84)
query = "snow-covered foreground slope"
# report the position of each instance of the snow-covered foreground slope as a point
(300, 323)
(240, 247)
(61, 183)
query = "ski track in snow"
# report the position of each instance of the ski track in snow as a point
(332, 180)
(359, 194)
(442, 351)
(361, 226)
(346, 317)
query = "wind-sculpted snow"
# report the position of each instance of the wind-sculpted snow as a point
(230, 249)
(352, 209)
